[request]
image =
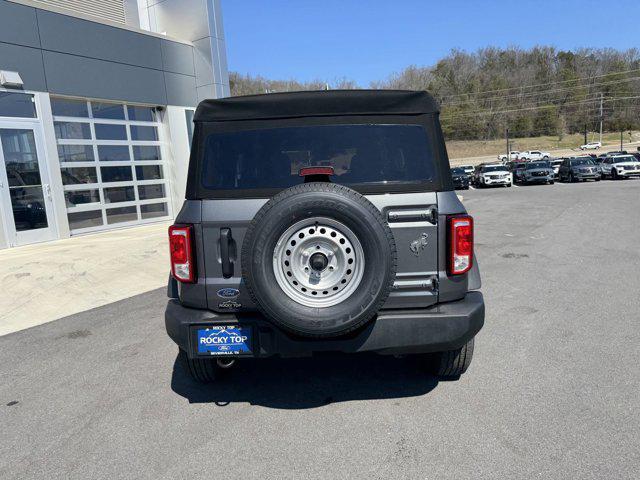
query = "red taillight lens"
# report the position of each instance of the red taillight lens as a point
(316, 171)
(460, 244)
(181, 249)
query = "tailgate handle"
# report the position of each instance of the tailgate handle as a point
(227, 252)
(419, 215)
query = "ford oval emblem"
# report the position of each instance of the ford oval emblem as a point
(228, 292)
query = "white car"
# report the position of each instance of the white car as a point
(534, 155)
(591, 146)
(468, 169)
(555, 164)
(513, 155)
(492, 175)
(620, 166)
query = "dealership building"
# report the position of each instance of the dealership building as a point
(96, 105)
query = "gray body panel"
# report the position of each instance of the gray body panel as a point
(421, 279)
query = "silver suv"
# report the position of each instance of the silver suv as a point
(322, 221)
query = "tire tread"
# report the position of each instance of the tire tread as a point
(322, 187)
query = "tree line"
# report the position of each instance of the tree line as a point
(539, 91)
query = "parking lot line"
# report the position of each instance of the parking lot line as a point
(514, 185)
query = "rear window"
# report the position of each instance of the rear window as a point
(371, 154)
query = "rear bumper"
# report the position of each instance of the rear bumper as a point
(446, 326)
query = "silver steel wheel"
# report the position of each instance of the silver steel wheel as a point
(318, 262)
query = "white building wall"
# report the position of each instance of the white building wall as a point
(200, 22)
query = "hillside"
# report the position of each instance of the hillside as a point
(540, 92)
(461, 149)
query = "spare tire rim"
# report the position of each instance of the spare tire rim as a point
(318, 262)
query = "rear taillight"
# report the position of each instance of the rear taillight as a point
(181, 249)
(460, 244)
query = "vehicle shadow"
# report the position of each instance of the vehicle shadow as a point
(308, 382)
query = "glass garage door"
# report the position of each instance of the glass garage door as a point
(111, 163)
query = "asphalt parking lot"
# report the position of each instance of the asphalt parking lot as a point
(552, 391)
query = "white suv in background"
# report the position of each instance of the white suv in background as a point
(534, 155)
(620, 166)
(591, 146)
(490, 175)
(468, 169)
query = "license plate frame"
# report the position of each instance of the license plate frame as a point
(236, 340)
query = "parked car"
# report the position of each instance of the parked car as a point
(491, 175)
(591, 146)
(598, 163)
(555, 164)
(578, 169)
(536, 172)
(513, 155)
(460, 179)
(620, 166)
(534, 155)
(468, 169)
(516, 169)
(306, 248)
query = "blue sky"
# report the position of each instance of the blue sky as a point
(368, 40)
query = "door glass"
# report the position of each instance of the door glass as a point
(17, 105)
(23, 173)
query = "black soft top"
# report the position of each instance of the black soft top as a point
(316, 104)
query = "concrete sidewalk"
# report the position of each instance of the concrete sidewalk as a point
(43, 282)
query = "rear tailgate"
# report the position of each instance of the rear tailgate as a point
(413, 218)
(224, 224)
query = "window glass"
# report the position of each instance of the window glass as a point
(495, 168)
(120, 133)
(144, 133)
(146, 152)
(63, 107)
(122, 214)
(106, 131)
(141, 114)
(154, 210)
(189, 117)
(116, 174)
(113, 153)
(81, 197)
(111, 111)
(359, 154)
(147, 192)
(149, 172)
(119, 194)
(75, 153)
(17, 105)
(92, 218)
(72, 130)
(78, 175)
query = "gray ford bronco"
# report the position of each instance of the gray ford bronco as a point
(322, 222)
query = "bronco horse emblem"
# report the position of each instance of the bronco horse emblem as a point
(418, 245)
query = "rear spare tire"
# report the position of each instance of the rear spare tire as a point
(319, 260)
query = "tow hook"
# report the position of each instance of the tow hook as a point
(226, 363)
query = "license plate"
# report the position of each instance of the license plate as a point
(224, 340)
